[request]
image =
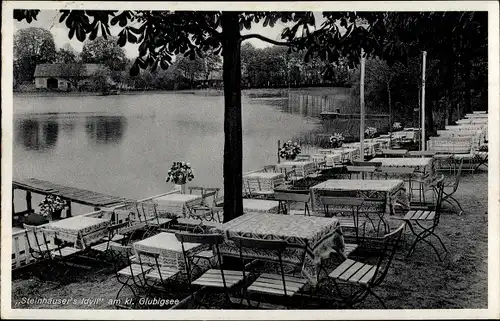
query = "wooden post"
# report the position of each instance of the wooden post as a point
(279, 145)
(424, 56)
(68, 209)
(28, 202)
(362, 107)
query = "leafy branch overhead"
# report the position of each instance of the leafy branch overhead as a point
(161, 35)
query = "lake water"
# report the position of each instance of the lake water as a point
(124, 145)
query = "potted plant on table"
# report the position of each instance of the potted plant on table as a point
(336, 140)
(52, 206)
(180, 173)
(371, 132)
(290, 150)
(396, 127)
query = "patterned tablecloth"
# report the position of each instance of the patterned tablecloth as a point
(80, 230)
(176, 204)
(376, 192)
(258, 205)
(262, 181)
(425, 165)
(315, 235)
(337, 155)
(369, 146)
(301, 168)
(169, 248)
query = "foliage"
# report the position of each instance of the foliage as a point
(51, 204)
(370, 132)
(289, 150)
(100, 81)
(180, 173)
(397, 126)
(32, 46)
(336, 140)
(104, 51)
(65, 56)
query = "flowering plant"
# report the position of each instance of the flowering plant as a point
(51, 204)
(336, 140)
(370, 132)
(180, 173)
(397, 126)
(290, 150)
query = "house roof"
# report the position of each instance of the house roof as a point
(67, 70)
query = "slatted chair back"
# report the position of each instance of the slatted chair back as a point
(354, 203)
(274, 246)
(285, 199)
(391, 243)
(438, 186)
(52, 234)
(367, 164)
(458, 175)
(421, 153)
(394, 152)
(214, 240)
(114, 229)
(37, 246)
(147, 259)
(364, 171)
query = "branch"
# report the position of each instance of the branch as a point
(274, 42)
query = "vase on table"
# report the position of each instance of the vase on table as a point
(181, 187)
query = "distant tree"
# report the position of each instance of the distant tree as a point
(104, 51)
(65, 56)
(32, 46)
(100, 81)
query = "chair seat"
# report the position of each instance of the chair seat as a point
(159, 222)
(213, 278)
(273, 284)
(115, 238)
(205, 254)
(354, 272)
(418, 215)
(103, 247)
(134, 270)
(50, 247)
(65, 252)
(166, 273)
(131, 229)
(348, 222)
(133, 259)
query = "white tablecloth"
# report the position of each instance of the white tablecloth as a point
(261, 206)
(80, 230)
(176, 204)
(169, 248)
(301, 168)
(262, 181)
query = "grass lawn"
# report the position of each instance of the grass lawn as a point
(420, 282)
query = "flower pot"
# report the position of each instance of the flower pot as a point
(181, 187)
(56, 215)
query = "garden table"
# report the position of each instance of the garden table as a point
(263, 181)
(390, 192)
(169, 250)
(302, 168)
(347, 154)
(258, 205)
(424, 165)
(370, 147)
(82, 231)
(176, 204)
(314, 235)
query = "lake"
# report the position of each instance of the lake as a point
(124, 145)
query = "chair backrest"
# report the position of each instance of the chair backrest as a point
(354, 203)
(438, 186)
(123, 250)
(391, 242)
(276, 246)
(292, 197)
(422, 153)
(458, 175)
(394, 152)
(38, 246)
(209, 239)
(397, 170)
(151, 259)
(366, 169)
(367, 164)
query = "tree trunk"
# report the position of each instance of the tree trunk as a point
(233, 146)
(468, 86)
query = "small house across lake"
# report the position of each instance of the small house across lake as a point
(66, 77)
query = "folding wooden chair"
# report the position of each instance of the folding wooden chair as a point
(363, 278)
(348, 204)
(285, 201)
(157, 277)
(104, 249)
(450, 187)
(426, 221)
(277, 285)
(38, 249)
(219, 278)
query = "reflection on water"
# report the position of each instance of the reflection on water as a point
(37, 134)
(105, 129)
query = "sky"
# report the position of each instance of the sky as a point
(49, 19)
